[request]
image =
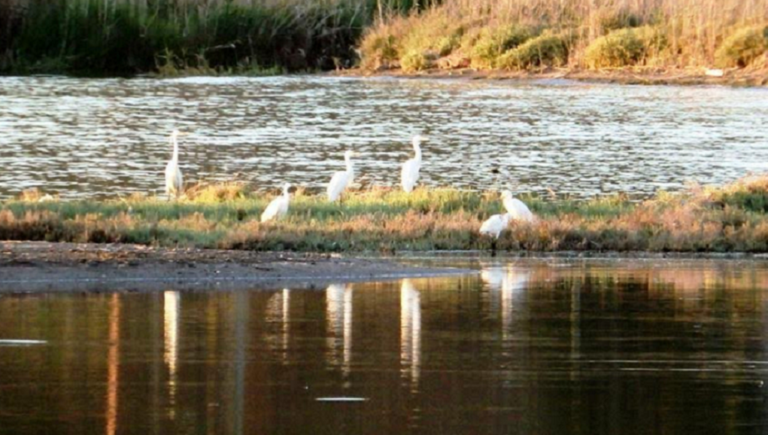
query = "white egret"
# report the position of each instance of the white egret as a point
(174, 183)
(342, 179)
(410, 175)
(517, 210)
(278, 207)
(495, 225)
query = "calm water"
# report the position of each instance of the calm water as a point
(551, 346)
(80, 137)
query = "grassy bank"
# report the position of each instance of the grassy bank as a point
(539, 35)
(731, 218)
(123, 37)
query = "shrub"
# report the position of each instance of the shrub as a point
(414, 61)
(624, 47)
(742, 47)
(546, 49)
(378, 50)
(492, 42)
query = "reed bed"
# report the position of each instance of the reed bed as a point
(585, 34)
(731, 218)
(123, 37)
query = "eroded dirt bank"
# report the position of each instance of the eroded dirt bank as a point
(27, 267)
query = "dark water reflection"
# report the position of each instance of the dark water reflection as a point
(86, 137)
(546, 346)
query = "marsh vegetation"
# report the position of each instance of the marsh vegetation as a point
(532, 35)
(169, 37)
(731, 218)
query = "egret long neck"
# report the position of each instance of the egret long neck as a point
(350, 169)
(175, 149)
(417, 150)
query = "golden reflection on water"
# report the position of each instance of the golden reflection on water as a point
(113, 364)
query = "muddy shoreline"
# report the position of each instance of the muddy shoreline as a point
(33, 267)
(626, 76)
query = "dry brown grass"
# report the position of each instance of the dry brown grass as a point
(692, 30)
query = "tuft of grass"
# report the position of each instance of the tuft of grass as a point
(492, 42)
(742, 47)
(547, 49)
(415, 61)
(625, 47)
(701, 219)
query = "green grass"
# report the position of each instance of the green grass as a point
(724, 219)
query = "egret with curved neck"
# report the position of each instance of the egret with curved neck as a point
(410, 174)
(174, 181)
(342, 179)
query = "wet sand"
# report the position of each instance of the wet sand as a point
(29, 267)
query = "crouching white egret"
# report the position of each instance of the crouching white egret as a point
(174, 183)
(410, 174)
(517, 210)
(278, 207)
(342, 179)
(495, 225)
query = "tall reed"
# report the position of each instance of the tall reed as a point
(133, 36)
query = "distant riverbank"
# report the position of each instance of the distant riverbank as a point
(665, 38)
(622, 76)
(730, 218)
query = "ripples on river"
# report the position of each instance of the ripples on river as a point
(83, 137)
(540, 346)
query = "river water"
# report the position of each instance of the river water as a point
(547, 346)
(88, 137)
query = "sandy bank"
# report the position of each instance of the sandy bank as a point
(627, 76)
(28, 267)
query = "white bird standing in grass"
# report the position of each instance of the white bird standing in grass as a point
(517, 210)
(174, 183)
(411, 168)
(278, 207)
(342, 179)
(495, 225)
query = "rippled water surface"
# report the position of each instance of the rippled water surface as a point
(542, 346)
(79, 137)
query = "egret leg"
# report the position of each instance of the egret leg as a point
(493, 247)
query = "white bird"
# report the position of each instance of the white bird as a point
(410, 175)
(517, 210)
(342, 179)
(495, 225)
(278, 207)
(174, 182)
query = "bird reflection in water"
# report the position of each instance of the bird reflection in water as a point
(338, 299)
(410, 332)
(278, 311)
(509, 282)
(171, 306)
